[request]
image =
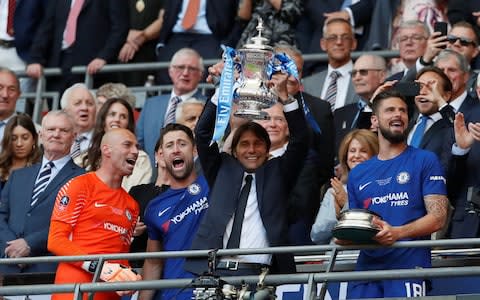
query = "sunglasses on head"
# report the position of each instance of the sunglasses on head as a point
(452, 39)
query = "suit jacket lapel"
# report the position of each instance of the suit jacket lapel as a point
(56, 181)
(259, 181)
(30, 181)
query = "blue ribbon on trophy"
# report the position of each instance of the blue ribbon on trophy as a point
(225, 94)
(288, 65)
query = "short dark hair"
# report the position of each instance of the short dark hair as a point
(392, 93)
(174, 127)
(446, 84)
(254, 128)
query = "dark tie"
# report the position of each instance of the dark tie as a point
(331, 95)
(42, 181)
(190, 17)
(419, 131)
(10, 16)
(170, 116)
(234, 240)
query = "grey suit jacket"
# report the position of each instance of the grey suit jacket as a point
(19, 219)
(314, 85)
(151, 120)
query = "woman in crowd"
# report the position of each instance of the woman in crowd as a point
(19, 146)
(117, 113)
(358, 146)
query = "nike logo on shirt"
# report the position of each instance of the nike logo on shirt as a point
(362, 186)
(163, 211)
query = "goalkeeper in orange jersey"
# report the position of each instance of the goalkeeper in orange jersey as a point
(93, 214)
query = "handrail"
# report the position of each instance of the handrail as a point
(310, 278)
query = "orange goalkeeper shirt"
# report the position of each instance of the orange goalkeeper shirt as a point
(89, 217)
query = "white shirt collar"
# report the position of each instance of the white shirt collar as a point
(457, 102)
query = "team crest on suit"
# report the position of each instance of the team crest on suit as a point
(63, 203)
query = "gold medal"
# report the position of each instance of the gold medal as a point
(140, 5)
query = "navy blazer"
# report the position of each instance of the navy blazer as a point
(220, 16)
(18, 219)
(464, 173)
(28, 16)
(102, 29)
(150, 122)
(274, 181)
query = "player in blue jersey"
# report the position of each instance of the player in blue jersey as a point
(172, 218)
(406, 187)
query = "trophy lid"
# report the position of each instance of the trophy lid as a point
(259, 42)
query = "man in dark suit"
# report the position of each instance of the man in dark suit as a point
(338, 41)
(186, 68)
(318, 166)
(25, 209)
(93, 35)
(437, 133)
(210, 28)
(464, 174)
(248, 174)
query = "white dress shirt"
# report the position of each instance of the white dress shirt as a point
(342, 83)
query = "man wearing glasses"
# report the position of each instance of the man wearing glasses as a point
(185, 71)
(334, 85)
(412, 43)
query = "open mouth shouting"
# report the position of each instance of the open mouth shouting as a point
(178, 163)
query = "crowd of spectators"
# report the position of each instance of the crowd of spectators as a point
(296, 181)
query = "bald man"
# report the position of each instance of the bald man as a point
(94, 215)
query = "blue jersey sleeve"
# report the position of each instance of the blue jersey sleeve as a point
(434, 182)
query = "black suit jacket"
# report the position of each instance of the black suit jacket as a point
(274, 181)
(28, 16)
(348, 118)
(318, 167)
(18, 219)
(102, 28)
(220, 16)
(464, 172)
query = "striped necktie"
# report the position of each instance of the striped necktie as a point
(76, 150)
(331, 95)
(170, 116)
(42, 181)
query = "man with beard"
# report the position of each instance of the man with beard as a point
(173, 217)
(407, 189)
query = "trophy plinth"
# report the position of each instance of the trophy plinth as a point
(253, 95)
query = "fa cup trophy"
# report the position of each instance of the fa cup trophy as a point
(252, 94)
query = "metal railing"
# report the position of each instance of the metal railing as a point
(41, 93)
(310, 278)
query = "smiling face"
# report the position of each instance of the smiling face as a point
(450, 66)
(177, 151)
(276, 126)
(366, 84)
(391, 119)
(357, 153)
(117, 117)
(82, 108)
(22, 142)
(251, 151)
(9, 93)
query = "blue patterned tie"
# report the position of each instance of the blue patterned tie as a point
(42, 181)
(419, 131)
(331, 95)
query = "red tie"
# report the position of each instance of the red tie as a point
(11, 13)
(190, 17)
(71, 27)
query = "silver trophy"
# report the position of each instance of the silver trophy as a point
(252, 94)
